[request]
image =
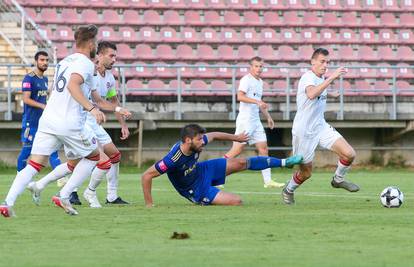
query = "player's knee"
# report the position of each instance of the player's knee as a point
(263, 151)
(350, 155)
(115, 158)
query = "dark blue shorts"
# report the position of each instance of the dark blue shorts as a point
(27, 136)
(210, 173)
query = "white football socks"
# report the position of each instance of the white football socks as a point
(267, 175)
(112, 179)
(96, 178)
(80, 173)
(341, 170)
(59, 172)
(19, 184)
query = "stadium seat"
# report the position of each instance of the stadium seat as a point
(294, 5)
(252, 18)
(158, 87)
(135, 86)
(309, 36)
(111, 17)
(32, 14)
(282, 70)
(225, 52)
(249, 35)
(128, 34)
(289, 36)
(216, 4)
(221, 88)
(404, 71)
(131, 17)
(269, 35)
(362, 87)
(201, 71)
(275, 5)
(172, 17)
(200, 88)
(385, 53)
(90, 16)
(349, 19)
(271, 18)
(382, 88)
(286, 53)
(212, 18)
(390, 5)
(140, 70)
(77, 3)
(156, 4)
(367, 36)
(163, 71)
(206, 52)
(232, 18)
(365, 70)
(347, 36)
(118, 4)
(385, 70)
(371, 5)
(279, 87)
(164, 52)
(313, 5)
(189, 35)
(266, 52)
(404, 53)
(151, 17)
(328, 36)
(330, 19)
(69, 16)
(185, 72)
(144, 52)
(268, 72)
(406, 37)
(235, 4)
(369, 20)
(242, 69)
(404, 88)
(346, 87)
(185, 52)
(174, 86)
(290, 18)
(192, 18)
(407, 5)
(256, 4)
(125, 52)
(108, 34)
(224, 71)
(209, 35)
(305, 52)
(386, 36)
(61, 50)
(407, 20)
(346, 53)
(63, 33)
(366, 53)
(245, 52)
(333, 5)
(196, 4)
(229, 35)
(97, 4)
(176, 4)
(352, 5)
(168, 34)
(148, 34)
(49, 15)
(311, 19)
(388, 20)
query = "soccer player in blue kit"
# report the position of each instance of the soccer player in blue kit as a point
(196, 180)
(34, 87)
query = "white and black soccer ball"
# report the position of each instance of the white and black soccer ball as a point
(392, 197)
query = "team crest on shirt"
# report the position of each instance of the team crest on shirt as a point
(93, 140)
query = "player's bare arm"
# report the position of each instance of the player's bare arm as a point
(108, 106)
(243, 137)
(270, 121)
(314, 91)
(28, 101)
(146, 183)
(124, 127)
(241, 96)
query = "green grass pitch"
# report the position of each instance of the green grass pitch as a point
(326, 227)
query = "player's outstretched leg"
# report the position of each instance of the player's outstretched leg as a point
(260, 163)
(227, 199)
(346, 156)
(268, 182)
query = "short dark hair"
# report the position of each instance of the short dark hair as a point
(259, 59)
(84, 34)
(103, 45)
(40, 53)
(191, 130)
(320, 51)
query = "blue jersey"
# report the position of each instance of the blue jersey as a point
(38, 88)
(181, 169)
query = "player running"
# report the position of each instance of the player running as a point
(310, 128)
(195, 180)
(35, 90)
(248, 120)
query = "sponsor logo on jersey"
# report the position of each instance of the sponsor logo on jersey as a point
(42, 93)
(162, 166)
(27, 85)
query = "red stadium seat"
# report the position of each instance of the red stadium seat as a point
(406, 37)
(158, 87)
(118, 3)
(174, 86)
(352, 5)
(365, 70)
(69, 16)
(168, 34)
(196, 4)
(404, 71)
(235, 4)
(362, 87)
(229, 35)
(199, 87)
(286, 53)
(202, 71)
(164, 52)
(367, 36)
(156, 4)
(176, 4)
(256, 4)
(192, 17)
(305, 52)
(108, 34)
(347, 36)
(62, 51)
(206, 52)
(172, 17)
(369, 20)
(163, 71)
(385, 53)
(128, 34)
(279, 87)
(224, 71)
(241, 70)
(294, 4)
(97, 4)
(291, 18)
(313, 4)
(148, 34)
(189, 35)
(407, 20)
(404, 53)
(382, 88)
(212, 18)
(249, 35)
(232, 18)
(290, 36)
(276, 5)
(90, 16)
(333, 5)
(151, 17)
(144, 52)
(269, 36)
(245, 52)
(272, 19)
(125, 52)
(330, 19)
(282, 70)
(390, 5)
(349, 19)
(219, 87)
(346, 87)
(64, 33)
(346, 53)
(266, 52)
(216, 4)
(140, 70)
(366, 53)
(407, 5)
(404, 88)
(49, 15)
(225, 52)
(328, 36)
(385, 70)
(311, 19)
(371, 5)
(209, 35)
(134, 85)
(309, 36)
(185, 72)
(111, 17)
(268, 72)
(388, 20)
(386, 36)
(185, 52)
(252, 18)
(77, 3)
(131, 17)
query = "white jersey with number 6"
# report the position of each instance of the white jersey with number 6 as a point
(63, 115)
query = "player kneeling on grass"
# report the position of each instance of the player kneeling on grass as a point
(196, 180)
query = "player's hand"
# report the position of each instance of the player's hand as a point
(124, 112)
(241, 138)
(338, 72)
(262, 105)
(270, 123)
(99, 115)
(124, 132)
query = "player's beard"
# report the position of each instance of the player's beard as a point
(195, 149)
(42, 68)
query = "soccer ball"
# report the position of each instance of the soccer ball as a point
(392, 197)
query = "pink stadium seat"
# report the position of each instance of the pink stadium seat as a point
(69, 16)
(176, 4)
(97, 4)
(202, 71)
(185, 72)
(282, 70)
(365, 70)
(391, 5)
(382, 88)
(235, 4)
(196, 4)
(313, 4)
(192, 17)
(404, 88)
(311, 19)
(271, 18)
(346, 87)
(168, 34)
(328, 36)
(125, 52)
(369, 20)
(305, 52)
(347, 36)
(241, 70)
(128, 34)
(219, 87)
(173, 85)
(151, 17)
(407, 5)
(209, 35)
(156, 4)
(225, 52)
(352, 5)
(111, 17)
(224, 71)
(276, 5)
(245, 52)
(212, 18)
(63, 33)
(333, 5)
(346, 53)
(199, 87)
(185, 52)
(349, 19)
(330, 19)
(279, 87)
(61, 51)
(158, 87)
(163, 71)
(388, 20)
(77, 3)
(362, 87)
(404, 53)
(404, 71)
(309, 36)
(289, 36)
(134, 85)
(252, 18)
(268, 72)
(118, 3)
(366, 53)
(367, 36)
(286, 53)
(268, 35)
(90, 16)
(386, 36)
(164, 52)
(407, 20)
(216, 4)
(406, 37)
(172, 17)
(232, 18)
(291, 18)
(266, 52)
(385, 53)
(229, 35)
(249, 35)
(371, 5)
(294, 4)
(108, 34)
(189, 35)
(49, 15)
(256, 4)
(385, 70)
(144, 52)
(131, 17)
(140, 70)
(148, 34)
(206, 52)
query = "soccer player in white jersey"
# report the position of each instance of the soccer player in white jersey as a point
(248, 120)
(310, 128)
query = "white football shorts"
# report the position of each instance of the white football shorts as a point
(253, 128)
(101, 135)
